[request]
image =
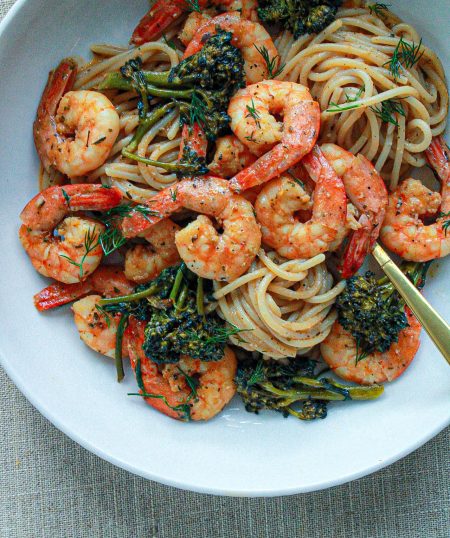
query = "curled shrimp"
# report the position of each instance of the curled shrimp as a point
(64, 247)
(97, 330)
(280, 200)
(403, 231)
(367, 192)
(107, 280)
(280, 145)
(339, 351)
(74, 131)
(163, 13)
(248, 36)
(144, 262)
(205, 251)
(166, 387)
(231, 156)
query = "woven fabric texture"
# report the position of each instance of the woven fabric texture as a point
(51, 487)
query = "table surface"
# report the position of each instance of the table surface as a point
(51, 487)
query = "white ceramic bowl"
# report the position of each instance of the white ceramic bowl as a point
(237, 453)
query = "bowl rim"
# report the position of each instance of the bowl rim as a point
(246, 492)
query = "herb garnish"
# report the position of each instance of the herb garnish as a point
(387, 109)
(253, 113)
(90, 243)
(405, 55)
(446, 224)
(271, 62)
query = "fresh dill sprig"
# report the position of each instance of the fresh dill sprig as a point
(192, 382)
(221, 336)
(257, 376)
(66, 197)
(296, 180)
(111, 240)
(349, 102)
(405, 55)
(194, 5)
(378, 9)
(91, 241)
(174, 194)
(271, 63)
(184, 409)
(170, 43)
(197, 111)
(445, 224)
(387, 109)
(253, 113)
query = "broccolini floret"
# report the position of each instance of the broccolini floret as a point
(293, 388)
(174, 306)
(299, 16)
(373, 312)
(200, 85)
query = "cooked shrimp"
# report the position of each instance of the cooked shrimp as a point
(165, 387)
(248, 36)
(192, 24)
(74, 131)
(207, 253)
(403, 231)
(280, 145)
(163, 13)
(366, 190)
(231, 156)
(107, 280)
(144, 262)
(339, 352)
(279, 201)
(97, 332)
(63, 247)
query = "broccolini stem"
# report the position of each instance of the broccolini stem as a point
(115, 81)
(200, 297)
(354, 393)
(170, 167)
(177, 283)
(146, 123)
(130, 298)
(118, 351)
(182, 298)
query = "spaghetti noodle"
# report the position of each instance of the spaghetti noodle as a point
(382, 92)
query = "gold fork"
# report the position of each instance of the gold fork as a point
(437, 328)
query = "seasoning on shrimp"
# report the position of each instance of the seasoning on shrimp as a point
(74, 131)
(279, 145)
(403, 231)
(61, 246)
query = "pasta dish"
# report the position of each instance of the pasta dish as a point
(209, 193)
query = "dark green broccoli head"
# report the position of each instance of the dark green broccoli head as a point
(277, 386)
(209, 110)
(170, 334)
(374, 314)
(299, 16)
(312, 409)
(217, 65)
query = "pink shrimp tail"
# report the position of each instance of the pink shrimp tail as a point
(161, 15)
(59, 82)
(59, 294)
